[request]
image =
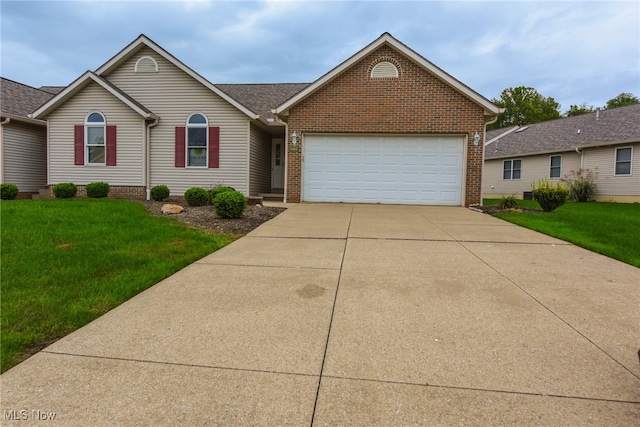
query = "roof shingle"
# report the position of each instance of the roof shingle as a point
(19, 99)
(598, 128)
(261, 98)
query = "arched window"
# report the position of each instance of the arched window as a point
(146, 64)
(384, 69)
(95, 137)
(197, 140)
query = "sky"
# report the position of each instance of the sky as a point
(573, 51)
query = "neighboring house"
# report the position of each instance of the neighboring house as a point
(385, 126)
(23, 141)
(605, 141)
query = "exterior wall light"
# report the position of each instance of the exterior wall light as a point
(294, 138)
(476, 139)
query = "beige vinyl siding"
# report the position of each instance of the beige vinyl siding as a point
(129, 132)
(533, 168)
(24, 155)
(608, 184)
(173, 96)
(260, 164)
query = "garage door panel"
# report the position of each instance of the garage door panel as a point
(450, 179)
(383, 169)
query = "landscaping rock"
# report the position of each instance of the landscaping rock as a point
(169, 209)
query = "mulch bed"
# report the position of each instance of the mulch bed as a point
(205, 218)
(494, 209)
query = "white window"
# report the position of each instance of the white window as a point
(197, 140)
(623, 160)
(94, 138)
(511, 169)
(555, 166)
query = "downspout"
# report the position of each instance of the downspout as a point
(148, 157)
(581, 152)
(484, 138)
(2, 123)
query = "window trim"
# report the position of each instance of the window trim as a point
(616, 161)
(144, 58)
(511, 178)
(87, 125)
(551, 167)
(384, 70)
(205, 126)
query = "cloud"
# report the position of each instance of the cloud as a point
(573, 51)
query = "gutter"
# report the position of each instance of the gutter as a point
(148, 156)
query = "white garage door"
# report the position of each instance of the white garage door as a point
(383, 169)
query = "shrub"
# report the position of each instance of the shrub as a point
(508, 202)
(8, 191)
(230, 204)
(581, 184)
(65, 190)
(549, 197)
(97, 190)
(160, 193)
(196, 196)
(217, 190)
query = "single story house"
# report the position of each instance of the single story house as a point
(384, 126)
(23, 140)
(606, 142)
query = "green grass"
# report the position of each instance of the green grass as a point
(66, 262)
(610, 229)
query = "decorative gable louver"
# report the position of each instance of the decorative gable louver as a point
(384, 69)
(146, 64)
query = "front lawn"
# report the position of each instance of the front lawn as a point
(611, 229)
(66, 262)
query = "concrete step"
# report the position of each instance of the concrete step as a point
(272, 197)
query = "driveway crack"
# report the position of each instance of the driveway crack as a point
(333, 310)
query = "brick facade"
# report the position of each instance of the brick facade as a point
(416, 102)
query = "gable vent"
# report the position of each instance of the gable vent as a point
(146, 64)
(384, 69)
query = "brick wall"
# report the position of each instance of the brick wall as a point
(116, 192)
(416, 102)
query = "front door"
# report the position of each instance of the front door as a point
(277, 163)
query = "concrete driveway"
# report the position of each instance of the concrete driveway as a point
(337, 314)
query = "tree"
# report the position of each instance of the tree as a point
(625, 98)
(576, 110)
(524, 105)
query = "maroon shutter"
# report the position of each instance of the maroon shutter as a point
(181, 132)
(78, 144)
(111, 145)
(214, 147)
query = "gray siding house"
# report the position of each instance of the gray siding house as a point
(144, 119)
(23, 140)
(605, 141)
